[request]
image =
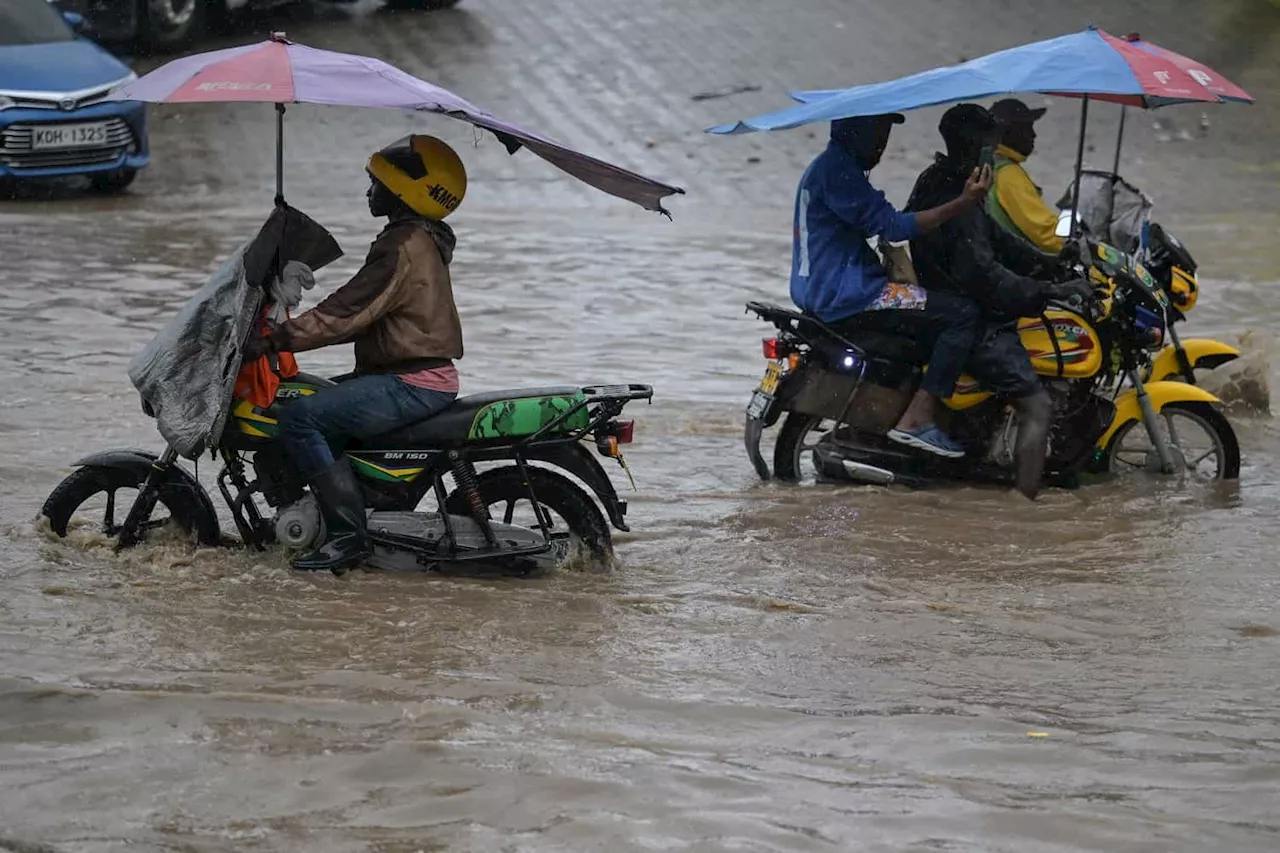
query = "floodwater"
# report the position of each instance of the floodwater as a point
(770, 667)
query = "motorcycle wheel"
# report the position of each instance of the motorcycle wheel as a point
(795, 442)
(1218, 458)
(94, 489)
(172, 24)
(505, 493)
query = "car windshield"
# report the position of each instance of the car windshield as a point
(31, 22)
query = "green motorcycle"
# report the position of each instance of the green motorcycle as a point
(515, 515)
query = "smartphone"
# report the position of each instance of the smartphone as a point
(987, 157)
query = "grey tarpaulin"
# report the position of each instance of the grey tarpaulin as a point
(186, 374)
(1112, 209)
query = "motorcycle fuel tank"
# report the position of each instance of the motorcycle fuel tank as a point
(1078, 352)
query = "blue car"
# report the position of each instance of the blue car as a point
(53, 121)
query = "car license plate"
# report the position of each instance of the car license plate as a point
(772, 373)
(87, 135)
(759, 405)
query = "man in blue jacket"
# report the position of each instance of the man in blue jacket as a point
(838, 277)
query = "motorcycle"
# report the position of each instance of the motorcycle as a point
(528, 440)
(1117, 212)
(850, 389)
(396, 471)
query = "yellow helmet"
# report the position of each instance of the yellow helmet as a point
(424, 173)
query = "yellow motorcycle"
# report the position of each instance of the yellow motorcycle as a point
(1116, 212)
(838, 395)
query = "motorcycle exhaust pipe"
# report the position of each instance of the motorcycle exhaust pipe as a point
(867, 473)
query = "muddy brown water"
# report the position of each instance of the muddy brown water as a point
(770, 667)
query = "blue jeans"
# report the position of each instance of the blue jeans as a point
(311, 428)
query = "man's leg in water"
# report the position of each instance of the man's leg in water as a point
(358, 408)
(947, 323)
(1002, 365)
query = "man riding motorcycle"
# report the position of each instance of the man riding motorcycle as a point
(399, 311)
(836, 276)
(1015, 202)
(972, 256)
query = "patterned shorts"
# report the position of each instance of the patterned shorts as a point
(904, 297)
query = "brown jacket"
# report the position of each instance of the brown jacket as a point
(398, 309)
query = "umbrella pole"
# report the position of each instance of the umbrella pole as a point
(1075, 191)
(279, 155)
(1115, 168)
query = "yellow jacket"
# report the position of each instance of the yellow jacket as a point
(1016, 201)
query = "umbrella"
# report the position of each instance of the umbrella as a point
(1088, 64)
(282, 72)
(1091, 63)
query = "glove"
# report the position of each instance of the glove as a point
(1078, 288)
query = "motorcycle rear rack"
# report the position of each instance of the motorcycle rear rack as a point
(793, 322)
(610, 398)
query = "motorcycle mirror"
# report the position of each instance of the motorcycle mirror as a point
(1063, 228)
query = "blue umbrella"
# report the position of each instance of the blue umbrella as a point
(1090, 63)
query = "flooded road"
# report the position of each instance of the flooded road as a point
(770, 667)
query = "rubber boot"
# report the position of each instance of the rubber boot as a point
(342, 503)
(1034, 416)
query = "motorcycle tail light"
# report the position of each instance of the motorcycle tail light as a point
(614, 434)
(773, 348)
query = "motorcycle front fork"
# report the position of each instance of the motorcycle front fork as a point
(145, 503)
(1150, 420)
(1184, 363)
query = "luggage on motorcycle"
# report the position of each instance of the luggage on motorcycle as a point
(496, 415)
(186, 374)
(845, 398)
(1111, 208)
(897, 262)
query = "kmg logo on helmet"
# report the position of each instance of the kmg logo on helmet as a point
(443, 197)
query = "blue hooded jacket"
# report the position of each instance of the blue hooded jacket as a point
(834, 271)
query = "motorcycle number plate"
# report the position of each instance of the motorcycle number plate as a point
(759, 405)
(772, 373)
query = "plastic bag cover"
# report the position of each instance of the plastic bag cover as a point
(186, 375)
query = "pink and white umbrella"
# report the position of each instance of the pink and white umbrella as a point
(281, 72)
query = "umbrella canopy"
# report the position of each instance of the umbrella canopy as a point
(1092, 62)
(281, 72)
(1201, 73)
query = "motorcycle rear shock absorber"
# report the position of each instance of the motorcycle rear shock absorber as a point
(464, 474)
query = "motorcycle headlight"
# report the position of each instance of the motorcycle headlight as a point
(1150, 327)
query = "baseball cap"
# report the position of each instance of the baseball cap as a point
(1013, 111)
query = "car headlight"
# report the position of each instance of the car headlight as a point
(7, 102)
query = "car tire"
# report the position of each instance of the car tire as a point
(167, 25)
(421, 5)
(115, 181)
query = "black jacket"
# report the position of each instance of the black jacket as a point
(972, 255)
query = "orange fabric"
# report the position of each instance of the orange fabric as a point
(257, 382)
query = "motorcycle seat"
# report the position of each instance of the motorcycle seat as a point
(880, 345)
(461, 420)
(888, 346)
